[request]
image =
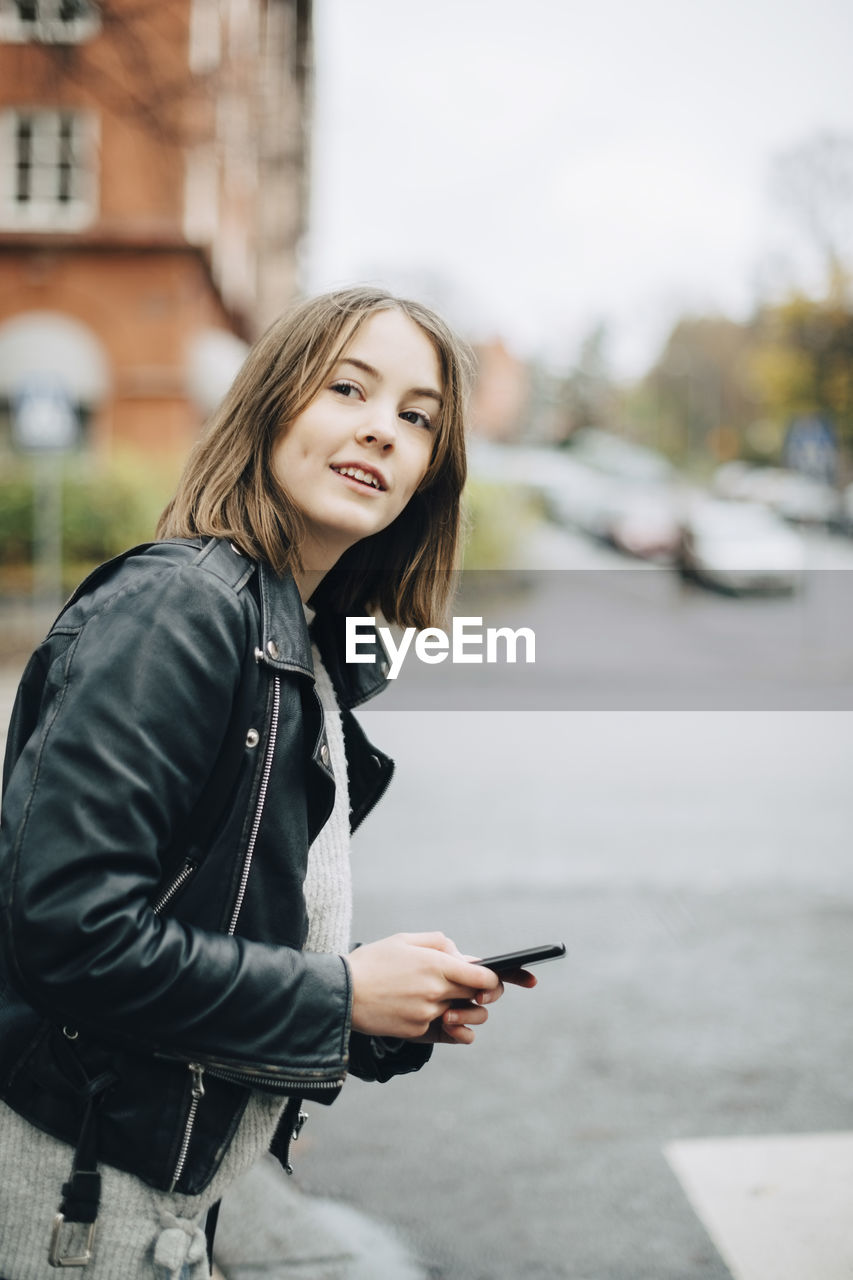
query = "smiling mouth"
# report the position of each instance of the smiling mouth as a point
(367, 478)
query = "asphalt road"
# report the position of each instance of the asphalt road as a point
(615, 634)
(697, 864)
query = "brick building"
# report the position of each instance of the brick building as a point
(153, 171)
(501, 395)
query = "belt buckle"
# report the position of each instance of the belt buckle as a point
(57, 1257)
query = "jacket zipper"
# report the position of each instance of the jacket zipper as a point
(278, 1083)
(178, 883)
(262, 795)
(195, 1069)
(197, 1073)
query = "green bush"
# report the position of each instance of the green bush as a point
(106, 507)
(498, 516)
(16, 516)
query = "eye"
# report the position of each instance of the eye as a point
(346, 389)
(417, 418)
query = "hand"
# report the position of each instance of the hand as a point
(404, 984)
(454, 1026)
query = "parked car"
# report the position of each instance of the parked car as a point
(732, 479)
(845, 511)
(740, 547)
(798, 498)
(618, 492)
(615, 456)
(578, 496)
(643, 522)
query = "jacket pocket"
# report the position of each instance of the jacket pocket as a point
(140, 1099)
(168, 892)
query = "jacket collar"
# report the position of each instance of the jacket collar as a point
(286, 641)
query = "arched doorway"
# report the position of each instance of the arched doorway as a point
(60, 352)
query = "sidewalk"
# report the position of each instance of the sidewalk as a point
(269, 1228)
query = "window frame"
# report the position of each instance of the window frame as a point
(48, 25)
(56, 169)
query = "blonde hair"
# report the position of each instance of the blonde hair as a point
(228, 489)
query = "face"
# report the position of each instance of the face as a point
(353, 458)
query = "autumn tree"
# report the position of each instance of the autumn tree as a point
(699, 399)
(803, 362)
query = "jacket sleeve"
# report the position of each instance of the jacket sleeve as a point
(128, 735)
(381, 1057)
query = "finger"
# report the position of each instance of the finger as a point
(437, 941)
(456, 995)
(438, 1033)
(489, 997)
(468, 1015)
(472, 975)
(458, 1035)
(521, 978)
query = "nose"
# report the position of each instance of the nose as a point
(379, 429)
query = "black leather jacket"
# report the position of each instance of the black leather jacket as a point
(166, 772)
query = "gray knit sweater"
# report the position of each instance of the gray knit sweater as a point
(144, 1234)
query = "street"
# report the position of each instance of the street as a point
(697, 867)
(696, 863)
(613, 633)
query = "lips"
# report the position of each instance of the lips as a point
(368, 476)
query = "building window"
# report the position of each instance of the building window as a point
(49, 181)
(48, 21)
(205, 44)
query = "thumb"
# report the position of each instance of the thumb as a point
(436, 941)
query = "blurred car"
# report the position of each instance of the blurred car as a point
(578, 496)
(732, 479)
(615, 456)
(643, 522)
(845, 511)
(617, 492)
(740, 547)
(798, 498)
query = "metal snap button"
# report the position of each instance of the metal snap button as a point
(252, 738)
(384, 668)
(324, 753)
(272, 648)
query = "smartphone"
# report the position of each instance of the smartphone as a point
(512, 960)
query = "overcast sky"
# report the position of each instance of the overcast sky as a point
(533, 168)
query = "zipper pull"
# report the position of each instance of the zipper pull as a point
(298, 1126)
(301, 1121)
(198, 1084)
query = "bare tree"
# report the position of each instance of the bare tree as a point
(813, 181)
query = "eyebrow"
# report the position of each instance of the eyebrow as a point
(430, 392)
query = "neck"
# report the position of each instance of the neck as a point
(307, 581)
(317, 559)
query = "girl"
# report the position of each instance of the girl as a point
(176, 973)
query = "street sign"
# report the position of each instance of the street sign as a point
(811, 448)
(43, 418)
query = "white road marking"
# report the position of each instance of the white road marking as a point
(777, 1208)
